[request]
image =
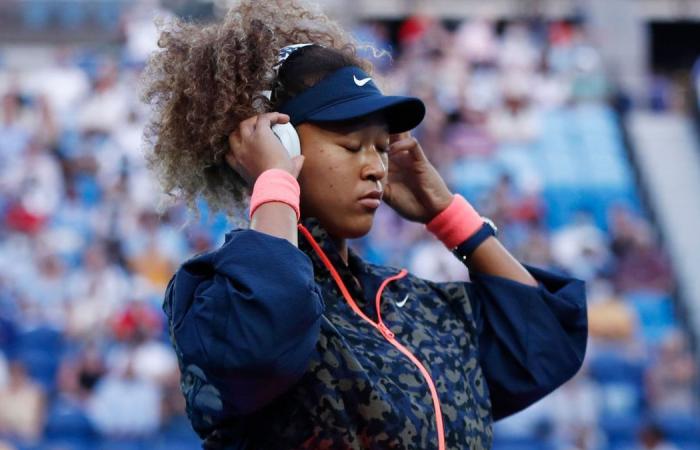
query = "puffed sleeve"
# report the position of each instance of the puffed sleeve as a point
(531, 339)
(244, 321)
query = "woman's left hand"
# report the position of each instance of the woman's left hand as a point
(415, 189)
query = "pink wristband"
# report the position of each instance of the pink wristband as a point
(456, 223)
(275, 185)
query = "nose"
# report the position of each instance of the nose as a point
(374, 169)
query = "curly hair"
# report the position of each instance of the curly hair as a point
(206, 79)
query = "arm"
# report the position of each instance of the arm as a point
(531, 339)
(276, 219)
(244, 321)
(255, 149)
(532, 325)
(492, 258)
(417, 192)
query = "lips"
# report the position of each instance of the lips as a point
(371, 199)
(373, 194)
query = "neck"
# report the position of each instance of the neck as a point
(342, 245)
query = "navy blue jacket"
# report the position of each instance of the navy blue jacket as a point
(273, 357)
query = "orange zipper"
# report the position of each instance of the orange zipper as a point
(383, 329)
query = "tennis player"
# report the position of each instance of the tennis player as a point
(288, 339)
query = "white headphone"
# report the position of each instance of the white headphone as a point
(289, 138)
(286, 133)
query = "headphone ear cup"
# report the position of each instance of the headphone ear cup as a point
(289, 138)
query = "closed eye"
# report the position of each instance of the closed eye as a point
(380, 149)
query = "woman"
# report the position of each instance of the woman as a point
(286, 338)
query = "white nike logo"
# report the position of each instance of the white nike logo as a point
(361, 82)
(402, 302)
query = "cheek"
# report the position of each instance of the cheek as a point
(331, 169)
(320, 180)
(333, 179)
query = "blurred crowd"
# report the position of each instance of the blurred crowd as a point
(85, 253)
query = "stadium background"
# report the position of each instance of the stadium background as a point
(572, 124)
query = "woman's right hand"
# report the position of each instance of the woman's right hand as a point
(254, 148)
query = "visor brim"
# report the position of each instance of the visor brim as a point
(400, 113)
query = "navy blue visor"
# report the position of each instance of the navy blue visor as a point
(349, 93)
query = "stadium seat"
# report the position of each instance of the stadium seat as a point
(40, 351)
(655, 313)
(66, 421)
(620, 430)
(681, 428)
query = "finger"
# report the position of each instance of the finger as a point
(269, 119)
(409, 145)
(250, 121)
(387, 195)
(246, 128)
(277, 117)
(400, 157)
(263, 123)
(403, 144)
(399, 136)
(234, 139)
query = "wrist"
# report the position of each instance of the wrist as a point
(281, 165)
(465, 249)
(439, 205)
(275, 185)
(455, 223)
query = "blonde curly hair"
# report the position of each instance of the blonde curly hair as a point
(206, 79)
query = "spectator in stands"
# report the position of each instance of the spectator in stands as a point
(609, 317)
(148, 253)
(651, 437)
(78, 376)
(137, 328)
(535, 248)
(515, 121)
(644, 265)
(641, 264)
(671, 382)
(577, 426)
(581, 247)
(97, 288)
(431, 261)
(124, 405)
(22, 405)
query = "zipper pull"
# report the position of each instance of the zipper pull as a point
(385, 331)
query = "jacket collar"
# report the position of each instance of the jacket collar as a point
(355, 263)
(370, 275)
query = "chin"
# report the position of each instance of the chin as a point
(352, 228)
